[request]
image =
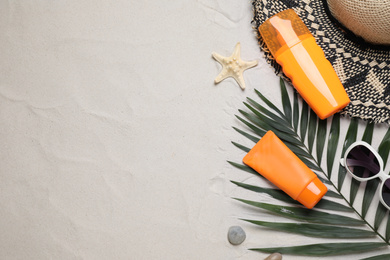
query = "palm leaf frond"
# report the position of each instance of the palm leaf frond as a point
(315, 230)
(378, 257)
(321, 138)
(285, 101)
(350, 138)
(296, 111)
(325, 249)
(300, 213)
(311, 130)
(333, 140)
(311, 140)
(367, 137)
(280, 195)
(304, 120)
(383, 148)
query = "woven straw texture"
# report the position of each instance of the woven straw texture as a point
(363, 69)
(368, 19)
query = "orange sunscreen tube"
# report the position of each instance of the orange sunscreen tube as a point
(276, 162)
(303, 61)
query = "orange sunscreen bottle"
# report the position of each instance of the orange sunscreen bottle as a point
(276, 162)
(303, 61)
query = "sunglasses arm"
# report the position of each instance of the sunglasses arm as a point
(342, 162)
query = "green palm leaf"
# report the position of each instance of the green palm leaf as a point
(321, 137)
(304, 120)
(378, 257)
(266, 111)
(311, 130)
(368, 133)
(300, 213)
(280, 195)
(371, 186)
(383, 148)
(261, 125)
(285, 101)
(296, 111)
(333, 140)
(269, 103)
(383, 151)
(367, 137)
(315, 230)
(369, 194)
(243, 167)
(350, 138)
(324, 249)
(309, 138)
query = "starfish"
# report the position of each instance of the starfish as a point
(233, 66)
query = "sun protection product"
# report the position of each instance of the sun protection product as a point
(303, 61)
(276, 162)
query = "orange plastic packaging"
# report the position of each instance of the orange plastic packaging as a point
(276, 162)
(304, 62)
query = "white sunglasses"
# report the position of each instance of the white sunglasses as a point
(364, 164)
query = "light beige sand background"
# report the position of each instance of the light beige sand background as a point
(113, 136)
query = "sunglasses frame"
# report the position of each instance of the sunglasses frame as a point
(381, 174)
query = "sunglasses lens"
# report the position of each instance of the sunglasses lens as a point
(362, 162)
(386, 192)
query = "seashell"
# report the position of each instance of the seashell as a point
(274, 256)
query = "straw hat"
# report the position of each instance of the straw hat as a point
(349, 32)
(368, 19)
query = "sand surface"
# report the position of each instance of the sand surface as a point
(114, 139)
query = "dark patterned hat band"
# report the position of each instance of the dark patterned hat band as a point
(363, 68)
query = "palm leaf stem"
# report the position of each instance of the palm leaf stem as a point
(284, 122)
(342, 196)
(315, 161)
(338, 190)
